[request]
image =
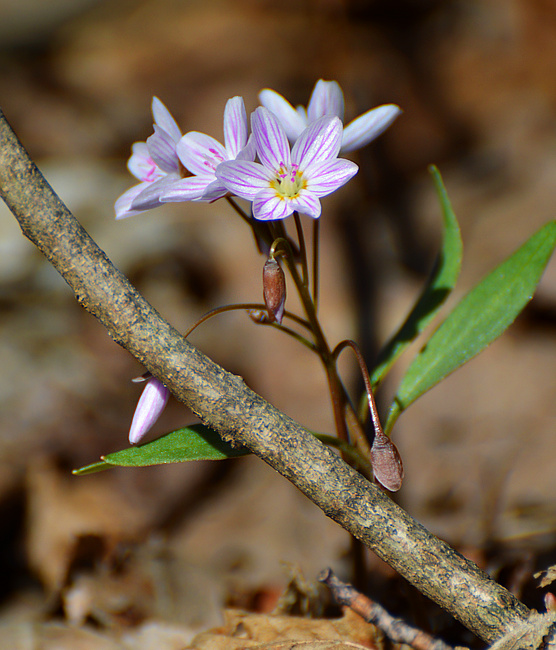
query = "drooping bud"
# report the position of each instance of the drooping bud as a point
(149, 408)
(386, 461)
(274, 290)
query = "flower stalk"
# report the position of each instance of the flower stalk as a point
(283, 168)
(228, 406)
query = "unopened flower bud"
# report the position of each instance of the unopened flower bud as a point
(386, 461)
(151, 404)
(550, 601)
(274, 290)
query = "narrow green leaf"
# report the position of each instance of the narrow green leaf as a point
(93, 468)
(439, 286)
(483, 314)
(196, 442)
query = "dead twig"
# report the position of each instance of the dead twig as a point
(395, 629)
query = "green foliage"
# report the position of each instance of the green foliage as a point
(196, 442)
(480, 318)
(441, 283)
(474, 323)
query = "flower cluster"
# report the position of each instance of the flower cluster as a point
(196, 167)
(285, 165)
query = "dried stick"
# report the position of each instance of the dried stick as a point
(395, 629)
(225, 403)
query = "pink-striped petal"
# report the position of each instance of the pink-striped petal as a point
(164, 119)
(213, 191)
(200, 153)
(368, 126)
(141, 165)
(293, 121)
(249, 152)
(325, 178)
(272, 143)
(187, 189)
(268, 206)
(163, 150)
(235, 126)
(244, 178)
(327, 98)
(150, 197)
(319, 142)
(307, 203)
(122, 207)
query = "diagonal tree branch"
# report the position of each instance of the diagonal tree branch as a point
(225, 403)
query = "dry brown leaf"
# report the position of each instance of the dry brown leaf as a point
(245, 630)
(147, 584)
(53, 636)
(58, 636)
(548, 576)
(217, 642)
(124, 598)
(63, 511)
(157, 635)
(313, 645)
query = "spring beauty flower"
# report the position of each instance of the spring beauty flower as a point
(201, 154)
(154, 162)
(287, 182)
(327, 98)
(149, 407)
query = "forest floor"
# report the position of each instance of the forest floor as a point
(207, 555)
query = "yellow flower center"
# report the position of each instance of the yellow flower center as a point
(288, 182)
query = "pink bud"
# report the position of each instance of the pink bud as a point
(149, 408)
(550, 601)
(274, 290)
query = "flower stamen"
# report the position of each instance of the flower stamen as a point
(288, 182)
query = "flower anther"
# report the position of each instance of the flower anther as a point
(287, 181)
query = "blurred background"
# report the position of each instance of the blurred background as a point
(176, 544)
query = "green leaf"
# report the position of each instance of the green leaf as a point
(196, 442)
(439, 286)
(93, 468)
(483, 314)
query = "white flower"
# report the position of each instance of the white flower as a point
(288, 181)
(155, 163)
(201, 154)
(327, 99)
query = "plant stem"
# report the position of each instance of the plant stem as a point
(337, 392)
(247, 306)
(302, 248)
(316, 253)
(225, 403)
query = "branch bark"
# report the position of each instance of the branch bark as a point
(225, 403)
